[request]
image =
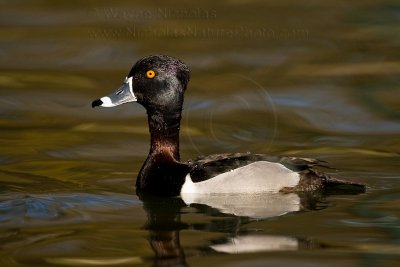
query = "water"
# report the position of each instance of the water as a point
(301, 79)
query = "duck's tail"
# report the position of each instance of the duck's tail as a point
(314, 180)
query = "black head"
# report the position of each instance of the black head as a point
(158, 82)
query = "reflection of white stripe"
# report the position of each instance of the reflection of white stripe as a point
(252, 243)
(257, 206)
(106, 102)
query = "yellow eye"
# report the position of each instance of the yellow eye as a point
(150, 74)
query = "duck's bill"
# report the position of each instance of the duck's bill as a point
(122, 95)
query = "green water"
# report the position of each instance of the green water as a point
(311, 79)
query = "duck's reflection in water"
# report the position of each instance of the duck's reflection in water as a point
(165, 223)
(260, 206)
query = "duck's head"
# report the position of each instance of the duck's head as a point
(157, 82)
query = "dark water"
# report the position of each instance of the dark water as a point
(312, 79)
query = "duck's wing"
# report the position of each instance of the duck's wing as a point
(310, 179)
(207, 167)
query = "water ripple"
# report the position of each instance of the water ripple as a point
(34, 210)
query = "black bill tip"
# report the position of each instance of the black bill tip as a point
(96, 103)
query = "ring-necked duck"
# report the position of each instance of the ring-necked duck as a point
(158, 82)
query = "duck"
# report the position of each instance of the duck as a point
(158, 83)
